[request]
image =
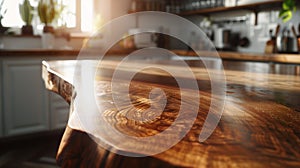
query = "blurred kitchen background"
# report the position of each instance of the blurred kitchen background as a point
(234, 25)
(28, 35)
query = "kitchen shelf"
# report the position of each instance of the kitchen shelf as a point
(256, 7)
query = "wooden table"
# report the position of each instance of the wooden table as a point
(260, 125)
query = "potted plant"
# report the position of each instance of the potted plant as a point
(48, 11)
(288, 7)
(26, 12)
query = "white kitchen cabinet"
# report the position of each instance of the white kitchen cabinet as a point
(1, 123)
(59, 111)
(1, 114)
(26, 102)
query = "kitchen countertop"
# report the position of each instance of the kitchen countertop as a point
(54, 52)
(260, 57)
(37, 52)
(258, 128)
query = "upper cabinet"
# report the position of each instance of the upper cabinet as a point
(210, 8)
(204, 7)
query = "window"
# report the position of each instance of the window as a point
(87, 15)
(68, 16)
(12, 17)
(77, 15)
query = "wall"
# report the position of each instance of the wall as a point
(120, 8)
(110, 9)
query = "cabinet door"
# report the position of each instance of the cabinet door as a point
(25, 98)
(59, 111)
(1, 113)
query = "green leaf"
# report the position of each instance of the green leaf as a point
(25, 10)
(285, 6)
(49, 10)
(282, 13)
(285, 19)
(286, 16)
(286, 13)
(288, 4)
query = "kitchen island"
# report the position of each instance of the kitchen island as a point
(259, 126)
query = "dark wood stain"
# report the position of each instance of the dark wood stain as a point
(259, 126)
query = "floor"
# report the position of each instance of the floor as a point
(34, 151)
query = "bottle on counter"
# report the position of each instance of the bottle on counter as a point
(270, 44)
(298, 39)
(296, 36)
(284, 40)
(289, 43)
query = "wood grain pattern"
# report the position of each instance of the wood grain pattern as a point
(259, 127)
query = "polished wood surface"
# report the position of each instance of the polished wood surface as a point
(259, 126)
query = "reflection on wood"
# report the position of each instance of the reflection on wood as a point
(259, 126)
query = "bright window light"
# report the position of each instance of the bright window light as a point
(12, 17)
(68, 18)
(87, 16)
